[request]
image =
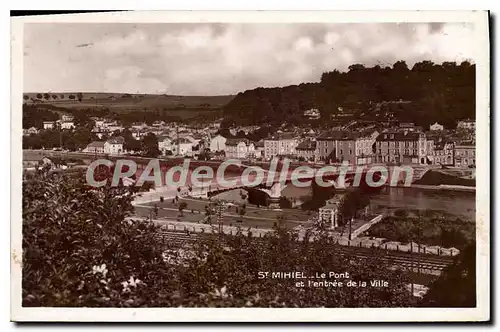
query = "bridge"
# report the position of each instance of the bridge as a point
(272, 181)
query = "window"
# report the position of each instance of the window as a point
(350, 151)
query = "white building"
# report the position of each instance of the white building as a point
(114, 145)
(66, 118)
(466, 124)
(312, 113)
(239, 148)
(182, 147)
(67, 125)
(436, 126)
(48, 125)
(218, 143)
(96, 147)
(280, 145)
(165, 144)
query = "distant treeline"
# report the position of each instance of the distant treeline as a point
(435, 92)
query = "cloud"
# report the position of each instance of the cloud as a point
(211, 59)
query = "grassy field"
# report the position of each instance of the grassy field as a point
(133, 102)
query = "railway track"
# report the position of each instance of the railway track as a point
(424, 263)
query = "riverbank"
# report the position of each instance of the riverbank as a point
(437, 178)
(443, 187)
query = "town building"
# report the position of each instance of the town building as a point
(30, 131)
(96, 147)
(239, 148)
(402, 147)
(49, 125)
(444, 152)
(306, 150)
(165, 145)
(339, 146)
(312, 114)
(218, 143)
(114, 145)
(259, 149)
(66, 118)
(36, 160)
(436, 126)
(466, 124)
(67, 125)
(182, 147)
(465, 154)
(283, 144)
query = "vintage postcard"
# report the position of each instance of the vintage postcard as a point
(251, 166)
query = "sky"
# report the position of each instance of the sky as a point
(220, 59)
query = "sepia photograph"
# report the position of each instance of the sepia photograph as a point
(169, 166)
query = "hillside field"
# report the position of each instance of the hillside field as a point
(129, 102)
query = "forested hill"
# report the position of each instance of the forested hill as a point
(432, 92)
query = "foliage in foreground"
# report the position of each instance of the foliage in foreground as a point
(79, 249)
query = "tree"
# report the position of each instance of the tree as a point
(39, 96)
(54, 97)
(72, 97)
(84, 260)
(82, 249)
(242, 211)
(26, 97)
(350, 204)
(461, 275)
(61, 96)
(46, 96)
(149, 146)
(79, 95)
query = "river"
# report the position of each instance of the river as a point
(461, 204)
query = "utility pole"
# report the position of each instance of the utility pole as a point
(177, 138)
(350, 228)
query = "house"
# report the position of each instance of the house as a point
(444, 152)
(436, 126)
(259, 149)
(339, 146)
(402, 147)
(98, 122)
(66, 118)
(49, 125)
(306, 150)
(466, 124)
(239, 148)
(67, 125)
(283, 144)
(182, 147)
(114, 145)
(165, 144)
(30, 131)
(36, 160)
(218, 143)
(465, 154)
(96, 147)
(312, 114)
